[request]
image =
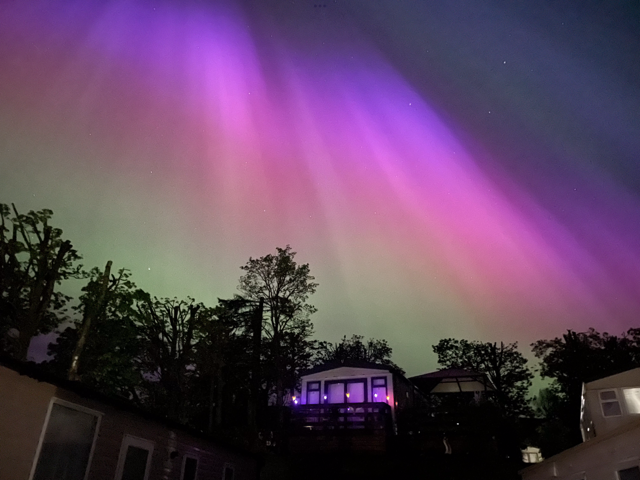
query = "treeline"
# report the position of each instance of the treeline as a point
(211, 367)
(218, 367)
(568, 361)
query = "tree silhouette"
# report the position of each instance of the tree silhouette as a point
(285, 288)
(503, 364)
(354, 348)
(34, 258)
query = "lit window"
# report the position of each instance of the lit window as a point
(313, 393)
(379, 389)
(355, 392)
(610, 404)
(632, 399)
(336, 392)
(346, 391)
(68, 442)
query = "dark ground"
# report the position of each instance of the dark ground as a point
(387, 466)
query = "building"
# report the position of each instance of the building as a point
(53, 429)
(610, 424)
(455, 418)
(351, 404)
(453, 380)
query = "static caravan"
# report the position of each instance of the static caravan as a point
(610, 423)
(55, 429)
(351, 399)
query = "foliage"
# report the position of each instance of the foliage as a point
(33, 260)
(285, 288)
(222, 356)
(572, 359)
(554, 434)
(354, 348)
(169, 330)
(579, 357)
(113, 346)
(503, 364)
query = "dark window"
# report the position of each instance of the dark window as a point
(632, 473)
(610, 404)
(135, 459)
(66, 447)
(190, 468)
(228, 472)
(135, 464)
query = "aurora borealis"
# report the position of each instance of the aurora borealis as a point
(448, 169)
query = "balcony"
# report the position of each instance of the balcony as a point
(341, 416)
(340, 427)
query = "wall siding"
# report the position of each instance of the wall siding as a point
(24, 402)
(23, 409)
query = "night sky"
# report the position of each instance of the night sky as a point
(448, 169)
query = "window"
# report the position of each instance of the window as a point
(632, 399)
(228, 472)
(610, 404)
(346, 391)
(355, 392)
(67, 442)
(135, 459)
(335, 392)
(632, 473)
(379, 389)
(189, 468)
(313, 393)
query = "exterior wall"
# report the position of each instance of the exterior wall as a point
(597, 459)
(630, 378)
(25, 402)
(23, 409)
(593, 421)
(596, 419)
(405, 394)
(610, 443)
(349, 373)
(116, 424)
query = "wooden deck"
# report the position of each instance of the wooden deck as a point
(360, 427)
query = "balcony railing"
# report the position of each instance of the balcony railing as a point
(341, 416)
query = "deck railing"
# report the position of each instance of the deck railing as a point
(341, 416)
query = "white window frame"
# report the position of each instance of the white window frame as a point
(224, 470)
(617, 400)
(184, 465)
(130, 440)
(74, 406)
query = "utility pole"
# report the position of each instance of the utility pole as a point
(256, 331)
